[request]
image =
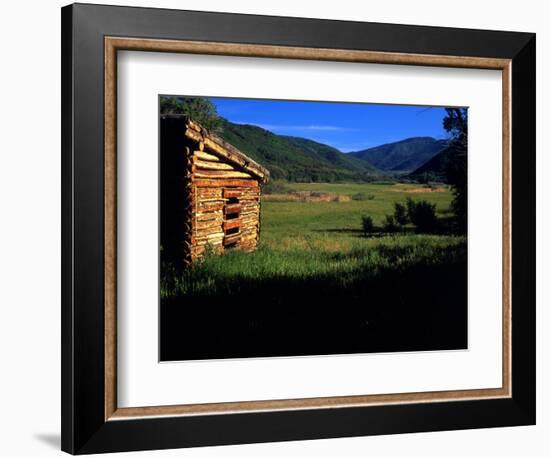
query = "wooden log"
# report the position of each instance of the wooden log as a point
(249, 198)
(208, 229)
(231, 224)
(207, 225)
(203, 182)
(249, 206)
(206, 165)
(194, 135)
(247, 237)
(208, 194)
(204, 156)
(193, 125)
(209, 206)
(232, 208)
(250, 193)
(253, 237)
(253, 194)
(248, 229)
(223, 174)
(207, 234)
(252, 213)
(209, 216)
(248, 240)
(230, 239)
(203, 243)
(232, 193)
(247, 191)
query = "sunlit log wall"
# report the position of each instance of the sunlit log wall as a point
(210, 193)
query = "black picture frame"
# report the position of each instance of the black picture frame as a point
(84, 426)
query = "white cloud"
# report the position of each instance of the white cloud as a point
(309, 127)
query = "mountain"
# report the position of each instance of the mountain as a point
(402, 156)
(295, 158)
(435, 168)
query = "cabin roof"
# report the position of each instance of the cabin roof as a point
(194, 131)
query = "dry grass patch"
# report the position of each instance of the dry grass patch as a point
(307, 196)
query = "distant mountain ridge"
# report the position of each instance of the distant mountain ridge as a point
(435, 168)
(303, 160)
(295, 158)
(402, 156)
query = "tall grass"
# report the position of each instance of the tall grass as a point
(311, 258)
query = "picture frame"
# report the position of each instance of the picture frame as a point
(92, 35)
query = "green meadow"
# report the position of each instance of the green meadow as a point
(307, 239)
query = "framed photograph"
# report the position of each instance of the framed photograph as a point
(282, 228)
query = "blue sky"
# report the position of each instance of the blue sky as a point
(346, 126)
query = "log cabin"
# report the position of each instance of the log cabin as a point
(209, 193)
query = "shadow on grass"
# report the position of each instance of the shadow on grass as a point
(377, 232)
(343, 230)
(397, 308)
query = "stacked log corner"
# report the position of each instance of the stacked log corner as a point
(210, 194)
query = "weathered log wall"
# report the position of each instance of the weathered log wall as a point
(210, 193)
(226, 207)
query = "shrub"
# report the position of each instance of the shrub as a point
(276, 187)
(368, 224)
(422, 214)
(362, 196)
(400, 214)
(390, 224)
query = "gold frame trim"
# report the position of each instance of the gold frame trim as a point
(114, 44)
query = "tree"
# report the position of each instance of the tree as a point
(422, 214)
(368, 224)
(400, 213)
(389, 224)
(456, 124)
(199, 109)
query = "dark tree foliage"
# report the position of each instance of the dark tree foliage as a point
(456, 124)
(422, 214)
(390, 225)
(199, 109)
(368, 224)
(400, 213)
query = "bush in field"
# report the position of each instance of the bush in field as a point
(362, 196)
(400, 214)
(276, 187)
(390, 225)
(368, 224)
(422, 214)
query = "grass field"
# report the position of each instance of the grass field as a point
(334, 222)
(314, 267)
